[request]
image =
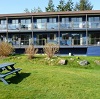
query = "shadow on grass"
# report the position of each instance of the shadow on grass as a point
(17, 79)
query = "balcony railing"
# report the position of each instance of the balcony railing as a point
(38, 26)
(44, 41)
(73, 42)
(25, 26)
(93, 24)
(51, 26)
(13, 27)
(3, 27)
(45, 26)
(94, 41)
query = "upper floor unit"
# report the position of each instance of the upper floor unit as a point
(50, 21)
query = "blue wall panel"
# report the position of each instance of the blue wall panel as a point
(93, 51)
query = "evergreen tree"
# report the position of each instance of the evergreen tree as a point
(65, 6)
(61, 6)
(69, 5)
(83, 5)
(35, 10)
(26, 10)
(50, 7)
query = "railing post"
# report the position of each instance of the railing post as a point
(86, 31)
(19, 39)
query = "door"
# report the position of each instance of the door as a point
(25, 39)
(41, 39)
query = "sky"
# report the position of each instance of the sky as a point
(18, 6)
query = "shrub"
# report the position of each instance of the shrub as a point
(5, 49)
(50, 49)
(31, 51)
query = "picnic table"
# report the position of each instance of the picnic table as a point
(10, 70)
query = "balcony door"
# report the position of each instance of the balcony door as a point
(25, 39)
(41, 39)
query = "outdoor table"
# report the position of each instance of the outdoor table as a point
(10, 70)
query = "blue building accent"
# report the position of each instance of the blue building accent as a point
(93, 51)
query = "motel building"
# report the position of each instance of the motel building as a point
(76, 32)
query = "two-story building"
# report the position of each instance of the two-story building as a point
(76, 32)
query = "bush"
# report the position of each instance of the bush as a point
(50, 49)
(31, 51)
(5, 49)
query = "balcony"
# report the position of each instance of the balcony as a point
(94, 25)
(94, 41)
(13, 27)
(45, 26)
(73, 25)
(50, 26)
(39, 26)
(73, 42)
(26, 26)
(3, 27)
(42, 42)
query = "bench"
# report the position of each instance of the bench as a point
(10, 68)
(11, 72)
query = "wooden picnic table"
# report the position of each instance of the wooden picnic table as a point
(10, 70)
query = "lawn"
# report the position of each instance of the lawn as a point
(40, 79)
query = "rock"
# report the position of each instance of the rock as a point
(47, 58)
(84, 62)
(62, 62)
(19, 57)
(71, 59)
(77, 57)
(97, 62)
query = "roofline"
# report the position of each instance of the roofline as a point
(52, 13)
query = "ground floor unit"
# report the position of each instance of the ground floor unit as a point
(74, 42)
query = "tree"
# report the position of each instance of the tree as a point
(61, 6)
(26, 10)
(83, 5)
(50, 7)
(65, 6)
(35, 10)
(69, 5)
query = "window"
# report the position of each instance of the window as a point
(96, 19)
(15, 21)
(52, 20)
(52, 36)
(65, 36)
(65, 20)
(76, 19)
(25, 21)
(3, 21)
(41, 20)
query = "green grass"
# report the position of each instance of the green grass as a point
(40, 79)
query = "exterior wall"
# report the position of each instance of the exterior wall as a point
(75, 32)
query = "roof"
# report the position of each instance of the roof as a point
(52, 13)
